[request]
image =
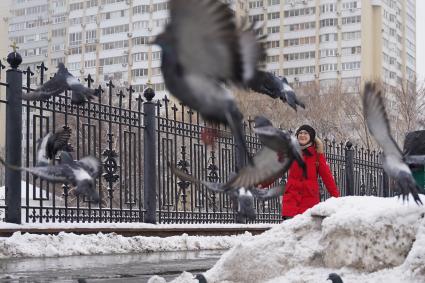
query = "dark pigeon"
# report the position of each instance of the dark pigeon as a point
(267, 83)
(79, 173)
(62, 81)
(202, 51)
(51, 144)
(279, 150)
(244, 196)
(379, 127)
(335, 278)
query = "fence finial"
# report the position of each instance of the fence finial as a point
(14, 58)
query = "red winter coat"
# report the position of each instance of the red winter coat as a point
(303, 193)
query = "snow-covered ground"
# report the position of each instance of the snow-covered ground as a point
(363, 239)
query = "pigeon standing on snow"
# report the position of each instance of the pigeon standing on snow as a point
(80, 173)
(379, 127)
(62, 81)
(202, 50)
(267, 83)
(51, 144)
(279, 150)
(244, 196)
(335, 278)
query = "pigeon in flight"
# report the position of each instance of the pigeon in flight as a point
(203, 51)
(51, 144)
(272, 160)
(244, 196)
(62, 81)
(335, 278)
(79, 173)
(379, 127)
(267, 83)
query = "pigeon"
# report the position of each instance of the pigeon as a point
(203, 51)
(244, 196)
(267, 83)
(201, 278)
(62, 81)
(279, 150)
(379, 127)
(80, 173)
(335, 278)
(51, 144)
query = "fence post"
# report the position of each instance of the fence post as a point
(149, 150)
(13, 138)
(349, 169)
(385, 185)
(240, 156)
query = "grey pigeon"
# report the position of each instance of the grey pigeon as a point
(51, 144)
(79, 173)
(202, 51)
(290, 96)
(244, 196)
(62, 81)
(379, 127)
(279, 150)
(267, 83)
(335, 278)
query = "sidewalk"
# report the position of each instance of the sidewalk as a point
(135, 229)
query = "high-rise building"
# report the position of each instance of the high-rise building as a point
(321, 41)
(339, 40)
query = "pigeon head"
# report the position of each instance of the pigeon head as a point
(163, 39)
(61, 66)
(261, 121)
(335, 278)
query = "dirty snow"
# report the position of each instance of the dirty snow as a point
(364, 239)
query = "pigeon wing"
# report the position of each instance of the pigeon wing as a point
(212, 186)
(265, 194)
(54, 86)
(267, 165)
(91, 164)
(206, 38)
(377, 120)
(55, 174)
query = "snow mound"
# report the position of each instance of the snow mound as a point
(364, 239)
(67, 244)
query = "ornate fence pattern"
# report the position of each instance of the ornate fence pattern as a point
(136, 137)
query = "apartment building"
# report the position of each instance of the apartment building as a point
(320, 41)
(326, 41)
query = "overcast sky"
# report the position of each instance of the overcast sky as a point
(420, 38)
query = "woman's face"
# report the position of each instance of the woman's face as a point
(303, 137)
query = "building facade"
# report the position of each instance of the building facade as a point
(326, 41)
(321, 41)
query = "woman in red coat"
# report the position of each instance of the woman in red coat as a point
(303, 193)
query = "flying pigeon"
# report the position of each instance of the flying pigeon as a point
(62, 81)
(379, 127)
(51, 144)
(244, 196)
(335, 278)
(267, 83)
(202, 51)
(272, 160)
(80, 173)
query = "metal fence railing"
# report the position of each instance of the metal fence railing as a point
(136, 137)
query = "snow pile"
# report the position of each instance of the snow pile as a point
(67, 244)
(364, 239)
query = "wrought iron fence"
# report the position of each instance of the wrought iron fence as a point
(136, 137)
